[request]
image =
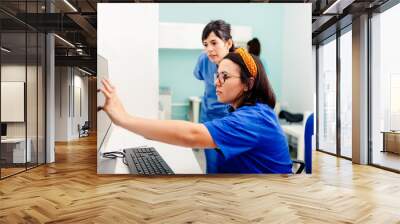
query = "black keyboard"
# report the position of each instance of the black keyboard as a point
(146, 161)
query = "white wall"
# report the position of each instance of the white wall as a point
(85, 98)
(127, 37)
(68, 82)
(79, 117)
(16, 73)
(298, 79)
(61, 103)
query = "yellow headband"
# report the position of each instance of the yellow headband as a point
(248, 60)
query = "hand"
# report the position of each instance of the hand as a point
(113, 106)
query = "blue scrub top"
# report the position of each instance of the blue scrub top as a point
(210, 107)
(250, 140)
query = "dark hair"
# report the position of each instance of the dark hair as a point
(261, 91)
(254, 47)
(221, 29)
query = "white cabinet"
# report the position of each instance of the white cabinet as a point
(165, 104)
(194, 113)
(188, 35)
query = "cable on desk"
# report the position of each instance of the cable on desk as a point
(114, 155)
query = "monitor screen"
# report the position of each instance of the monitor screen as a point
(103, 121)
(3, 129)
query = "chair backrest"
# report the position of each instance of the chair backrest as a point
(300, 168)
(308, 134)
(86, 125)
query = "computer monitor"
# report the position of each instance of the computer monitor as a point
(103, 121)
(3, 129)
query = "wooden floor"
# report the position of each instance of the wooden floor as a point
(10, 171)
(70, 191)
(5, 172)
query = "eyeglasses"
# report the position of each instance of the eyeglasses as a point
(222, 77)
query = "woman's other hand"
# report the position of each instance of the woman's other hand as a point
(113, 106)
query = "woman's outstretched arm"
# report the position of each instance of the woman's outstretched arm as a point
(174, 132)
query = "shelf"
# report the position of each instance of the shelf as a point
(188, 35)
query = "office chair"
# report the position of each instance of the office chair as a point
(301, 165)
(308, 133)
(84, 130)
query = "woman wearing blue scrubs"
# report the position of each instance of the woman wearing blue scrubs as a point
(249, 139)
(217, 42)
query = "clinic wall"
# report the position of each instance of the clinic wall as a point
(176, 66)
(176, 72)
(129, 43)
(298, 85)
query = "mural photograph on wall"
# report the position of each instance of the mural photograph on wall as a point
(197, 88)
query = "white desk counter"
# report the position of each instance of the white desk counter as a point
(180, 159)
(18, 149)
(296, 131)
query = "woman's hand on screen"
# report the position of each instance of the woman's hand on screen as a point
(113, 106)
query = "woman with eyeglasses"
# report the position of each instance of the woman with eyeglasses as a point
(217, 42)
(248, 140)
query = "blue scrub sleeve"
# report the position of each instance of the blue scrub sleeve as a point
(200, 67)
(232, 135)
